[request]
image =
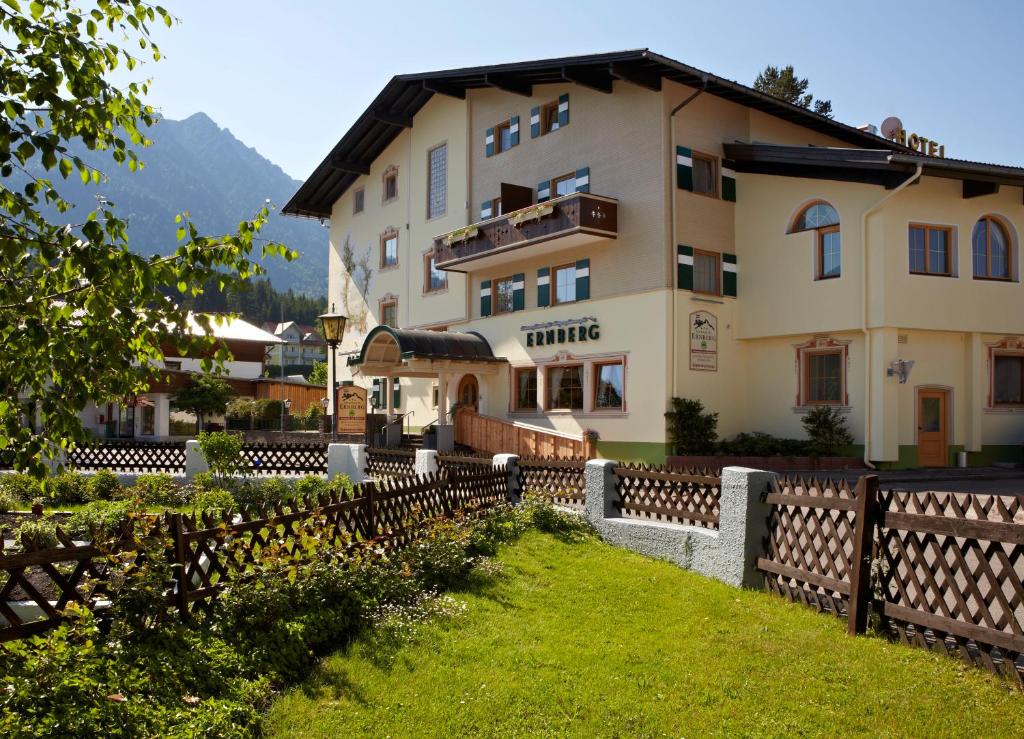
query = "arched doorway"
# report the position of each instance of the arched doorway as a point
(469, 392)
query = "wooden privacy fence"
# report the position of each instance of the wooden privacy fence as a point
(941, 570)
(496, 436)
(384, 463)
(130, 456)
(209, 550)
(561, 480)
(689, 497)
(270, 459)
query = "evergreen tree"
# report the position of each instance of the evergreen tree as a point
(784, 84)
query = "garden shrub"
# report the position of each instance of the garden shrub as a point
(204, 481)
(20, 486)
(66, 488)
(105, 515)
(8, 502)
(312, 485)
(41, 532)
(266, 492)
(826, 427)
(343, 485)
(214, 500)
(223, 453)
(103, 485)
(759, 444)
(690, 429)
(161, 489)
(543, 515)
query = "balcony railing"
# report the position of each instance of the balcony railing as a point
(563, 222)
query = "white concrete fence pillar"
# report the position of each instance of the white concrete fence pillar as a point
(347, 459)
(728, 554)
(511, 461)
(426, 462)
(195, 460)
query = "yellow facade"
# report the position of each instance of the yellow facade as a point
(873, 314)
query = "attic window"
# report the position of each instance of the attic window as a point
(358, 201)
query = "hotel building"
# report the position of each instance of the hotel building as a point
(586, 238)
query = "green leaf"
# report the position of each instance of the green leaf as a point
(36, 9)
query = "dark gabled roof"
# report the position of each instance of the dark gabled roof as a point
(875, 166)
(421, 344)
(396, 105)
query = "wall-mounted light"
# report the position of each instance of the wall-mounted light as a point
(900, 368)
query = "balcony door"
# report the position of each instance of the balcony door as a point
(932, 428)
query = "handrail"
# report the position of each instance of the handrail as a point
(397, 419)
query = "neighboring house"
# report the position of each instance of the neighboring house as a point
(148, 416)
(598, 234)
(302, 345)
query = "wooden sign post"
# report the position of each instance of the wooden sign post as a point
(350, 410)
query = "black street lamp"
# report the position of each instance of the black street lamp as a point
(333, 325)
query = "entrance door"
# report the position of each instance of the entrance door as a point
(469, 392)
(932, 443)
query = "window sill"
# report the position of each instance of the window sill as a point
(438, 291)
(1008, 280)
(389, 202)
(709, 195)
(388, 268)
(932, 274)
(997, 409)
(802, 409)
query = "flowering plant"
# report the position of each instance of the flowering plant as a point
(591, 434)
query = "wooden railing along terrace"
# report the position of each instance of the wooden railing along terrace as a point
(497, 436)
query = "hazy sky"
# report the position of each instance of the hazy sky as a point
(288, 77)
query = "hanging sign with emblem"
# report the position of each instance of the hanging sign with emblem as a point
(703, 341)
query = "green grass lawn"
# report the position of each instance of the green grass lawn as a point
(588, 640)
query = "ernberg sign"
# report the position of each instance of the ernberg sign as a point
(573, 330)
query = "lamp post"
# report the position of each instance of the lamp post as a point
(285, 405)
(333, 325)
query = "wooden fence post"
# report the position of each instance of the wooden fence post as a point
(180, 565)
(370, 488)
(866, 514)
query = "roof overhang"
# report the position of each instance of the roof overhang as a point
(874, 166)
(399, 352)
(397, 104)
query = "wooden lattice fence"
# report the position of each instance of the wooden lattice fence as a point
(950, 571)
(561, 480)
(209, 550)
(456, 460)
(384, 463)
(690, 497)
(942, 571)
(273, 459)
(130, 456)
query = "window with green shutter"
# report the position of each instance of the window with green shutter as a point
(518, 292)
(728, 180)
(684, 168)
(396, 393)
(489, 142)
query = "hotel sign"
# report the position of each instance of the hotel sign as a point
(571, 331)
(350, 402)
(703, 341)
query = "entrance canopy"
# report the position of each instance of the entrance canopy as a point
(398, 352)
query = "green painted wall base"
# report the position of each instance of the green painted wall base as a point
(649, 452)
(988, 456)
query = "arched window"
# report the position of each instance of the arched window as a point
(823, 219)
(990, 250)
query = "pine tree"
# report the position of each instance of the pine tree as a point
(785, 85)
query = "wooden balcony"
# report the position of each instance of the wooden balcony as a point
(571, 220)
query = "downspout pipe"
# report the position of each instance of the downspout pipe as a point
(864, 305)
(675, 238)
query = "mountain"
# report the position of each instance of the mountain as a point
(195, 165)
